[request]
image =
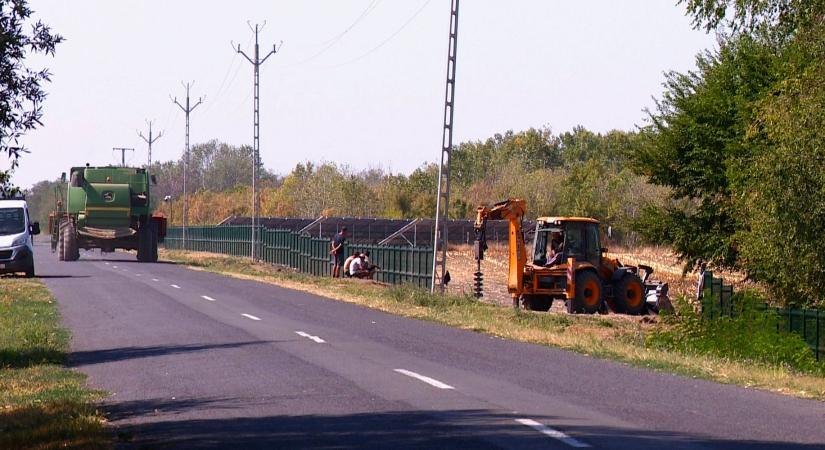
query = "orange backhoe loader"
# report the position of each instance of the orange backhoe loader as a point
(567, 263)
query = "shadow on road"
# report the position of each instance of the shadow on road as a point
(77, 359)
(20, 359)
(394, 429)
(47, 277)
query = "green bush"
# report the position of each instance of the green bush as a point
(750, 334)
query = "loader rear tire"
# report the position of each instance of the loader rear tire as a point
(589, 293)
(537, 302)
(629, 295)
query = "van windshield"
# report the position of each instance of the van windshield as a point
(12, 221)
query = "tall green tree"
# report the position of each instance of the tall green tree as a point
(21, 87)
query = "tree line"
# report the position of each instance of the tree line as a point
(572, 173)
(739, 143)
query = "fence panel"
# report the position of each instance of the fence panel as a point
(304, 253)
(717, 300)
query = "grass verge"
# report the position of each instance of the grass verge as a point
(43, 405)
(620, 338)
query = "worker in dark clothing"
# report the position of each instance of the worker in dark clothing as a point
(337, 251)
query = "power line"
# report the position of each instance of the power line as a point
(385, 41)
(256, 62)
(337, 38)
(187, 110)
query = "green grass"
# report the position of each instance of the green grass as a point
(43, 405)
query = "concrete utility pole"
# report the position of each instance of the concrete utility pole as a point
(151, 140)
(122, 151)
(187, 110)
(256, 62)
(440, 233)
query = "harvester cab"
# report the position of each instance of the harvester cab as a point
(567, 263)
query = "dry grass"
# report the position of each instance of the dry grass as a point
(620, 338)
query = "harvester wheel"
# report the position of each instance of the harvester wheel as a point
(588, 293)
(147, 244)
(61, 247)
(69, 246)
(629, 295)
(153, 245)
(537, 302)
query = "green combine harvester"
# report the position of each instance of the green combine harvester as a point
(106, 208)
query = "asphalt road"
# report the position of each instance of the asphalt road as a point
(197, 360)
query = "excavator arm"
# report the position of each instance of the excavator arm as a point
(512, 210)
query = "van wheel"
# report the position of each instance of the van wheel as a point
(30, 272)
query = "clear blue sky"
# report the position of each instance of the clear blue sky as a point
(367, 93)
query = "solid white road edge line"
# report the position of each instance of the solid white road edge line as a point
(250, 316)
(206, 297)
(310, 337)
(555, 434)
(175, 286)
(428, 380)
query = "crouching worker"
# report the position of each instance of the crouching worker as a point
(358, 267)
(348, 263)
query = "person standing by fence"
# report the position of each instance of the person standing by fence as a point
(337, 251)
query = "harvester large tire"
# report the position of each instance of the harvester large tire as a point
(61, 248)
(589, 293)
(153, 242)
(537, 302)
(147, 244)
(629, 295)
(69, 247)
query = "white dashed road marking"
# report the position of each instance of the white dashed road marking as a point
(428, 380)
(206, 297)
(155, 279)
(555, 434)
(175, 286)
(114, 267)
(310, 337)
(250, 316)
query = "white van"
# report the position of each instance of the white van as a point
(16, 237)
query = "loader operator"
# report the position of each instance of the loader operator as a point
(556, 249)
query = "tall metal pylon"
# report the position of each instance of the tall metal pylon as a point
(187, 110)
(150, 140)
(440, 233)
(256, 62)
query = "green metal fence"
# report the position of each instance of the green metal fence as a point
(305, 253)
(718, 300)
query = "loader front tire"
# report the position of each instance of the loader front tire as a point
(589, 292)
